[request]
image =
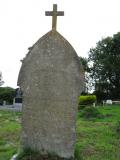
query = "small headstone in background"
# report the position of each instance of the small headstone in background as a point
(4, 103)
(17, 101)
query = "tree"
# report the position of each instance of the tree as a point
(1, 81)
(84, 62)
(104, 62)
(87, 78)
(7, 94)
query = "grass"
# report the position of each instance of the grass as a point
(9, 134)
(97, 138)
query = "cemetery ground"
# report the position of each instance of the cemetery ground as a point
(97, 138)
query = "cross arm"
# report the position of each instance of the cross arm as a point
(50, 13)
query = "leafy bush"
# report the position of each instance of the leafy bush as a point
(86, 100)
(90, 112)
(7, 94)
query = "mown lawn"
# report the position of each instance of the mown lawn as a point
(97, 138)
(9, 134)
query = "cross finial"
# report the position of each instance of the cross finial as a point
(54, 15)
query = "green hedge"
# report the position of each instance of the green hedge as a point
(86, 100)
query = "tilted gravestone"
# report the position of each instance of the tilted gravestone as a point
(51, 79)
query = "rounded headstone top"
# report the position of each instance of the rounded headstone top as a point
(51, 53)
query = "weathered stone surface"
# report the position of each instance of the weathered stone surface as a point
(51, 79)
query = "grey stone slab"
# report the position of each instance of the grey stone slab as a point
(51, 79)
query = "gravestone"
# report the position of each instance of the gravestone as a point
(51, 79)
(17, 101)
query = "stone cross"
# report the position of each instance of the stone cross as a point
(50, 96)
(54, 15)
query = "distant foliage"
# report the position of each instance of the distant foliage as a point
(105, 67)
(101, 96)
(1, 81)
(84, 62)
(7, 94)
(87, 78)
(86, 100)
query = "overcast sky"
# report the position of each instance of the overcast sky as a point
(23, 22)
